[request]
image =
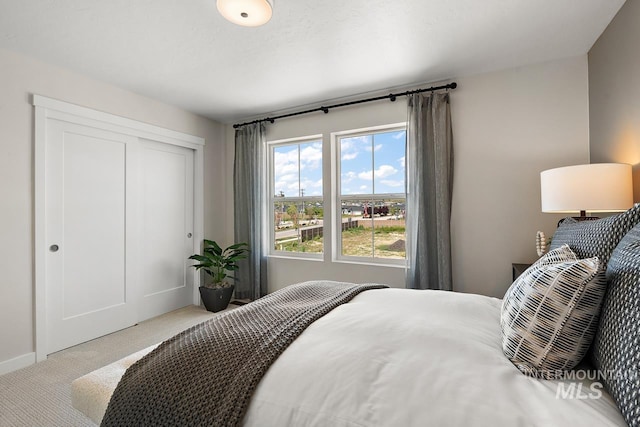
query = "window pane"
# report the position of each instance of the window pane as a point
(389, 155)
(357, 236)
(297, 170)
(389, 236)
(371, 167)
(298, 226)
(356, 165)
(374, 229)
(297, 175)
(286, 172)
(311, 169)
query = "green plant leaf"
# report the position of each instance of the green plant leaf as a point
(216, 261)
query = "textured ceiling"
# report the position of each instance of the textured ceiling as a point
(184, 53)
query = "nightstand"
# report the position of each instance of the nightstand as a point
(518, 269)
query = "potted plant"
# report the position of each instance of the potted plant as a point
(217, 263)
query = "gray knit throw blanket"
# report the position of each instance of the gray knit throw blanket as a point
(206, 375)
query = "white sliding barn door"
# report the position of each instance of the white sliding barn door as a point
(167, 228)
(89, 208)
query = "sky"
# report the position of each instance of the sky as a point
(376, 159)
(290, 179)
(373, 163)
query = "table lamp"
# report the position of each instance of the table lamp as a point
(597, 187)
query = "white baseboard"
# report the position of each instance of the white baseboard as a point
(17, 363)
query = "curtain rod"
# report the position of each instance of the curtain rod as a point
(392, 97)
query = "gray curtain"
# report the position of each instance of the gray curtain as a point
(248, 193)
(429, 191)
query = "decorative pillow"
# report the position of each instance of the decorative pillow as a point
(616, 348)
(598, 237)
(550, 313)
(555, 256)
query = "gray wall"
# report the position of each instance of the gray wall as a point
(21, 77)
(614, 92)
(508, 126)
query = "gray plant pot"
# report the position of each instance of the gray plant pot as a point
(216, 299)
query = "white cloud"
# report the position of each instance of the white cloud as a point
(311, 156)
(402, 161)
(285, 181)
(311, 187)
(392, 183)
(385, 170)
(285, 162)
(351, 147)
(382, 172)
(287, 168)
(377, 147)
(289, 188)
(399, 135)
(366, 175)
(364, 187)
(348, 177)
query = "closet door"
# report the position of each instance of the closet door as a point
(118, 210)
(167, 223)
(90, 273)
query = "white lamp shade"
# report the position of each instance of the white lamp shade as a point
(248, 13)
(598, 187)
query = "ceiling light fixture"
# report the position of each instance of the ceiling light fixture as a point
(248, 13)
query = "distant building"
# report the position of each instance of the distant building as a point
(352, 209)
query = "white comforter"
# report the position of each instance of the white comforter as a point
(397, 357)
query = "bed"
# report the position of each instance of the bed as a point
(398, 357)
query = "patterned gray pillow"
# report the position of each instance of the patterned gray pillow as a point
(596, 238)
(555, 256)
(550, 313)
(616, 348)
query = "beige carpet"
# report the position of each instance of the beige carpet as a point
(40, 395)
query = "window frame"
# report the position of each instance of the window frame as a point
(272, 199)
(337, 197)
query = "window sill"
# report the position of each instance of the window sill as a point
(370, 263)
(315, 257)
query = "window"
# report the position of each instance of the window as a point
(296, 204)
(367, 210)
(371, 195)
